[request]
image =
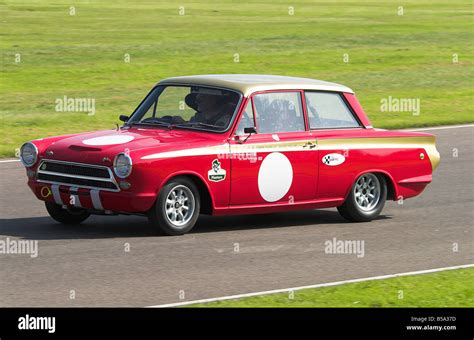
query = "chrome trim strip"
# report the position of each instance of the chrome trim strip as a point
(95, 197)
(77, 200)
(79, 186)
(102, 179)
(56, 194)
(75, 163)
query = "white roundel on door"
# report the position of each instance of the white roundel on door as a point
(275, 177)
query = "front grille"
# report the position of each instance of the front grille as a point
(73, 169)
(77, 174)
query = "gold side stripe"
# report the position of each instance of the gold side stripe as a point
(425, 142)
(384, 142)
(209, 150)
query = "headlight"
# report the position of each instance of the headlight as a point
(28, 154)
(122, 165)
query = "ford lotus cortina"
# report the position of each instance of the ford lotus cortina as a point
(231, 144)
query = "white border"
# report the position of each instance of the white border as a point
(329, 284)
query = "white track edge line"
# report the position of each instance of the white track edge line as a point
(9, 160)
(328, 284)
(442, 127)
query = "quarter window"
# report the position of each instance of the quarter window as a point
(279, 112)
(328, 110)
(246, 120)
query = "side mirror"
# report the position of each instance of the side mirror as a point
(250, 130)
(124, 118)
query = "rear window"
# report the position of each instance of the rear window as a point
(328, 110)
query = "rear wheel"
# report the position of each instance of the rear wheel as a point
(177, 208)
(66, 216)
(366, 199)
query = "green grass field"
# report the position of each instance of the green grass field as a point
(82, 55)
(450, 288)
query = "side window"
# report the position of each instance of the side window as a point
(328, 110)
(246, 120)
(279, 112)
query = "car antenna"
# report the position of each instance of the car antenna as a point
(117, 126)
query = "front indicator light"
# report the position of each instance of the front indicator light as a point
(125, 185)
(30, 173)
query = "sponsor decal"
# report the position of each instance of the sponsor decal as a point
(216, 174)
(333, 159)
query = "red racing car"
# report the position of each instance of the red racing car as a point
(231, 144)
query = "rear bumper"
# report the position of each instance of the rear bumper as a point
(93, 199)
(411, 187)
(434, 156)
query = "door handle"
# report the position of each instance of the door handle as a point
(309, 145)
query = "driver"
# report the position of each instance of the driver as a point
(285, 115)
(210, 110)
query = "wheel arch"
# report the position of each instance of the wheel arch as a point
(205, 194)
(392, 190)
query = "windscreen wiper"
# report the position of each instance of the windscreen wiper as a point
(151, 123)
(198, 124)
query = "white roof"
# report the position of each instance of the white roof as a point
(249, 83)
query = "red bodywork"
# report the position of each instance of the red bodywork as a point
(160, 154)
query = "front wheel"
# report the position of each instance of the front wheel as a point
(68, 215)
(177, 208)
(366, 199)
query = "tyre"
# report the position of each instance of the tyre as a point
(177, 208)
(366, 199)
(66, 216)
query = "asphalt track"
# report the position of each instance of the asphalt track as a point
(274, 251)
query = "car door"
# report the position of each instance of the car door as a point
(333, 122)
(278, 164)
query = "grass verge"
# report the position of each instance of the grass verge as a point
(450, 288)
